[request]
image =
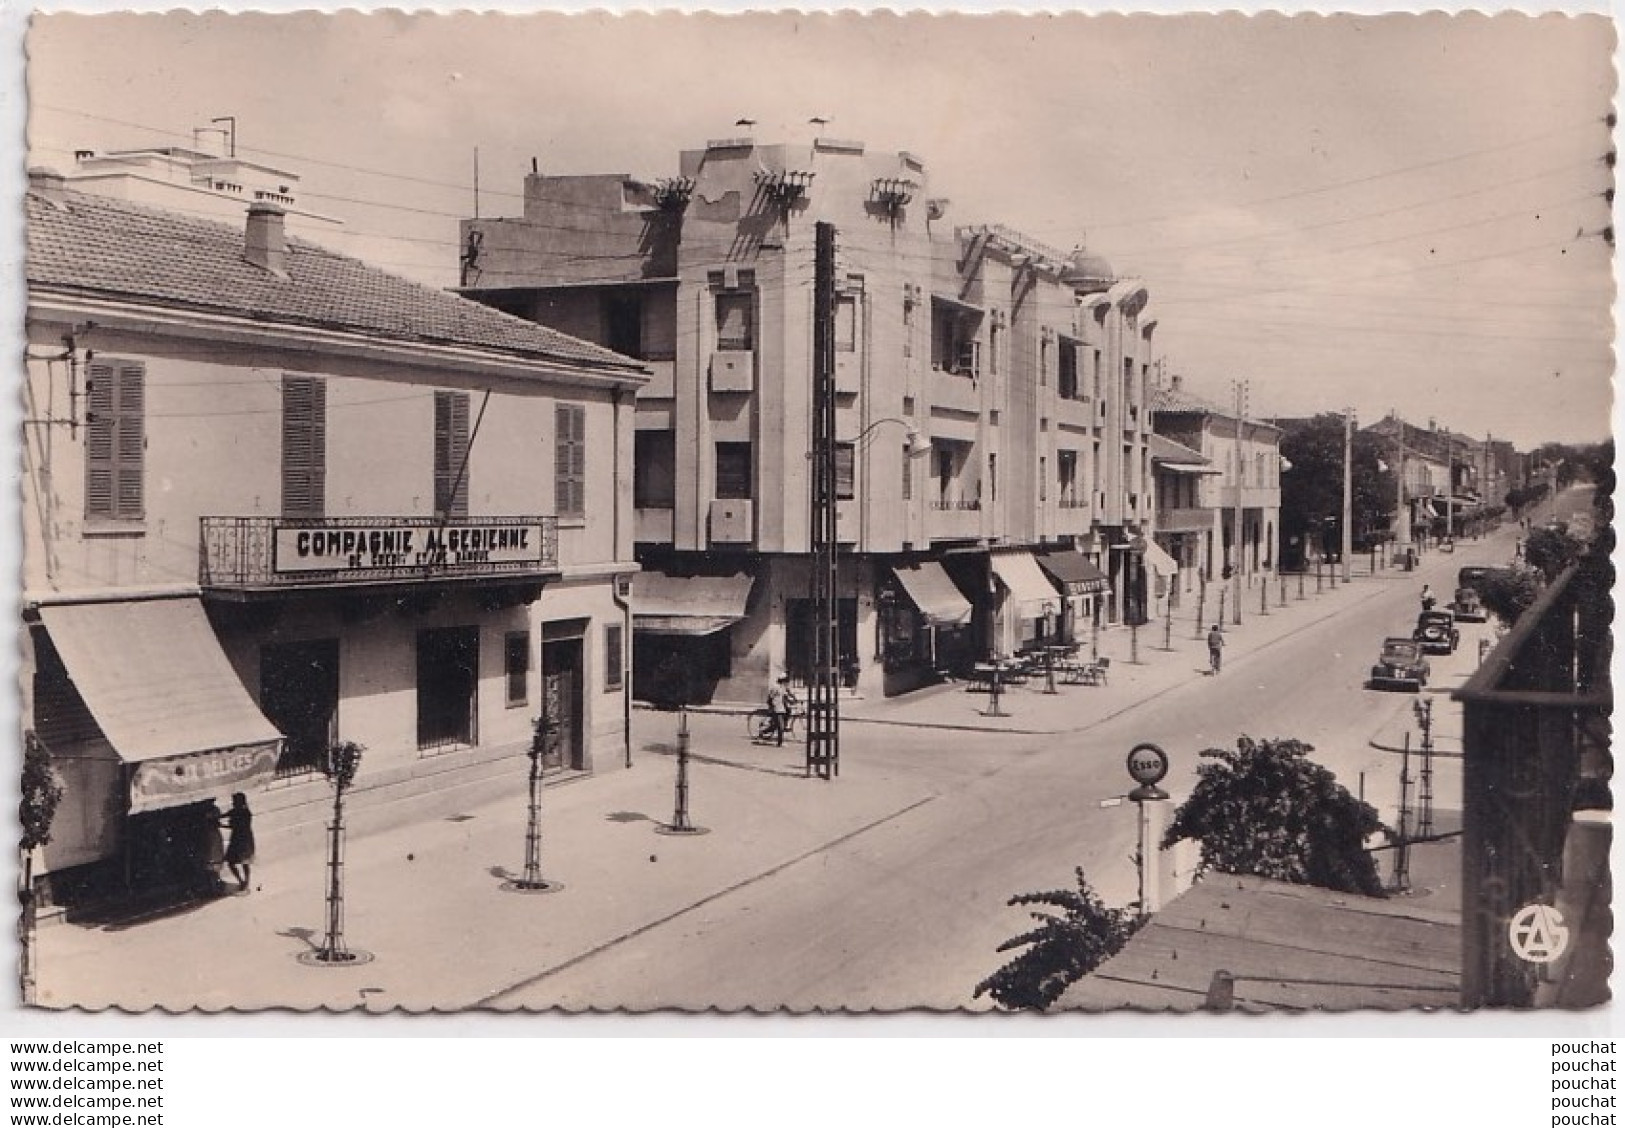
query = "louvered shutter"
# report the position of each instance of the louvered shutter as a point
(115, 440)
(304, 446)
(570, 460)
(450, 454)
(99, 429)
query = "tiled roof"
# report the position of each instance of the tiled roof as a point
(110, 248)
(1167, 398)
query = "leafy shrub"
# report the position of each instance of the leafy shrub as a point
(1061, 950)
(1266, 809)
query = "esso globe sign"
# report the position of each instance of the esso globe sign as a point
(1147, 764)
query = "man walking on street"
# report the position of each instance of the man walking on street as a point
(779, 705)
(1215, 648)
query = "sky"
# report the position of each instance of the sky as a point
(1384, 212)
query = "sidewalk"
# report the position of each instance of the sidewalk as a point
(1030, 710)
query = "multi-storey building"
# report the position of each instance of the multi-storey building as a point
(1243, 498)
(991, 409)
(1423, 459)
(274, 499)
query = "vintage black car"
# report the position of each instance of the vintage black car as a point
(1436, 631)
(1467, 607)
(1401, 665)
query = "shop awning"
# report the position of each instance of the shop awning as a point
(163, 693)
(933, 593)
(1075, 574)
(1020, 573)
(664, 604)
(1158, 560)
(1177, 457)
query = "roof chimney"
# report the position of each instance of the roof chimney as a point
(266, 245)
(47, 184)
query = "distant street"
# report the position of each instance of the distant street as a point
(910, 913)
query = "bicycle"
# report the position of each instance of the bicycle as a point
(759, 724)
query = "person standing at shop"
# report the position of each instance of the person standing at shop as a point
(1215, 649)
(239, 821)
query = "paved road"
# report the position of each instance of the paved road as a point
(910, 913)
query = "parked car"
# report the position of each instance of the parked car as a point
(1467, 607)
(1401, 666)
(1436, 631)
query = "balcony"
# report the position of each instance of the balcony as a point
(954, 520)
(1191, 520)
(268, 554)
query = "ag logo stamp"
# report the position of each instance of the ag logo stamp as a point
(1538, 934)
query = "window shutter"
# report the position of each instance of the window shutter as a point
(304, 446)
(570, 459)
(450, 454)
(99, 468)
(115, 441)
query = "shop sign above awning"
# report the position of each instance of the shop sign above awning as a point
(664, 604)
(1075, 574)
(153, 676)
(1027, 585)
(933, 593)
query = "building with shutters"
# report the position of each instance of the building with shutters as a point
(275, 498)
(1230, 520)
(992, 463)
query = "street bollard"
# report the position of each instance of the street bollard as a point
(1134, 642)
(1318, 580)
(993, 695)
(1224, 591)
(1300, 583)
(1168, 629)
(1283, 592)
(1201, 599)
(1049, 670)
(1094, 637)
(1263, 595)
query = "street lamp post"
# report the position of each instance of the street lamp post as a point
(1348, 491)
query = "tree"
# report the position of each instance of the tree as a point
(1508, 592)
(342, 763)
(1061, 950)
(1551, 550)
(41, 795)
(1312, 487)
(1266, 809)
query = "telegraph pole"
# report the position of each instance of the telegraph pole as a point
(823, 699)
(1235, 520)
(1348, 490)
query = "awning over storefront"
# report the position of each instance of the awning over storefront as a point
(688, 605)
(1169, 455)
(933, 593)
(1075, 574)
(1158, 560)
(154, 677)
(1020, 573)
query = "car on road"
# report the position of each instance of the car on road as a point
(1436, 631)
(1467, 607)
(1401, 666)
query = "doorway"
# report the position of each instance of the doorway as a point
(299, 694)
(562, 745)
(798, 640)
(448, 681)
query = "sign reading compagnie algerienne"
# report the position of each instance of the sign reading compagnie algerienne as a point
(371, 547)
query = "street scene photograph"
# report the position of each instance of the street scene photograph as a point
(807, 514)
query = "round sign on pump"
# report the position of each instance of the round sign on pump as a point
(1147, 764)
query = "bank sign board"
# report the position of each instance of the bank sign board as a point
(470, 547)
